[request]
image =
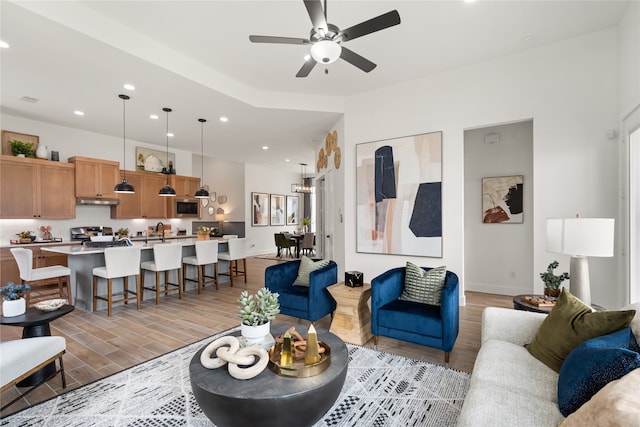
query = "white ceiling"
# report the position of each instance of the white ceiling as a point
(195, 57)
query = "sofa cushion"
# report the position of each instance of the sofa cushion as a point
(307, 265)
(570, 323)
(592, 365)
(423, 286)
(617, 404)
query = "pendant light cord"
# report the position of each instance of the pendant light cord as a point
(124, 135)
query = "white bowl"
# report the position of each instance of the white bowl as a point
(50, 305)
(101, 238)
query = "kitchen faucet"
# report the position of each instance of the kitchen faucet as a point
(157, 229)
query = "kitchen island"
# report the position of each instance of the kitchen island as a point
(82, 260)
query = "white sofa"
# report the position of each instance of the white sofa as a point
(508, 385)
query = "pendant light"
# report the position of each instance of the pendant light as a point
(167, 190)
(124, 186)
(202, 193)
(304, 187)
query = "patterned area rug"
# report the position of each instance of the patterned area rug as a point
(381, 389)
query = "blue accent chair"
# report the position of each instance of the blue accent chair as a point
(429, 325)
(310, 303)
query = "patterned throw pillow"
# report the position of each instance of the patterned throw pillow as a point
(423, 286)
(307, 265)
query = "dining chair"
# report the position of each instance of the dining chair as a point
(307, 245)
(120, 262)
(206, 254)
(284, 243)
(36, 277)
(166, 258)
(237, 252)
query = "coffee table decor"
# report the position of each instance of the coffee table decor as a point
(242, 361)
(293, 356)
(50, 304)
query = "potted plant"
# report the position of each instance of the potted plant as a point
(203, 233)
(306, 222)
(26, 237)
(551, 281)
(256, 312)
(13, 304)
(21, 149)
(123, 232)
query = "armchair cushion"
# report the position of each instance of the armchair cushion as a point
(307, 265)
(423, 286)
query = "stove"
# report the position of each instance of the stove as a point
(84, 234)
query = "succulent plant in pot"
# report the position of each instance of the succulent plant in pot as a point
(256, 312)
(13, 303)
(551, 281)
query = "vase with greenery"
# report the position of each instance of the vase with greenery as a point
(13, 303)
(26, 236)
(123, 232)
(551, 281)
(203, 233)
(306, 222)
(22, 149)
(257, 311)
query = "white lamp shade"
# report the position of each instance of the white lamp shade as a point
(326, 51)
(581, 236)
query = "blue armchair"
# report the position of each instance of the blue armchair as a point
(429, 325)
(310, 303)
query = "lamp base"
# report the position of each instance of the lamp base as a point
(579, 279)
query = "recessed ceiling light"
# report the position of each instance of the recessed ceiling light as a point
(78, 113)
(4, 44)
(264, 147)
(287, 160)
(153, 117)
(169, 134)
(469, 1)
(129, 86)
(528, 37)
(307, 57)
(224, 119)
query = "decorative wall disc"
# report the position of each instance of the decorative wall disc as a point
(328, 144)
(337, 158)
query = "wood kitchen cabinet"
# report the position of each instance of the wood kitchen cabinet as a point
(96, 178)
(185, 186)
(35, 188)
(145, 202)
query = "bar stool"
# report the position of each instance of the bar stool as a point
(237, 252)
(206, 253)
(166, 257)
(35, 276)
(119, 262)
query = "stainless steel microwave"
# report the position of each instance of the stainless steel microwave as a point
(187, 208)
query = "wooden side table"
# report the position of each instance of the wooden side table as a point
(352, 318)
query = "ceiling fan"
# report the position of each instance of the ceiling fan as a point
(326, 39)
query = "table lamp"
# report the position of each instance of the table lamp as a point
(580, 238)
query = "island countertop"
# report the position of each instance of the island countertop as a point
(84, 250)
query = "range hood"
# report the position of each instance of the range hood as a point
(96, 201)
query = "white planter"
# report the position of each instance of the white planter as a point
(14, 308)
(255, 334)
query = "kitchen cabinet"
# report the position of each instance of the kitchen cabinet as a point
(185, 187)
(9, 268)
(35, 188)
(96, 178)
(145, 202)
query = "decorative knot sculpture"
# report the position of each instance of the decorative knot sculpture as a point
(227, 350)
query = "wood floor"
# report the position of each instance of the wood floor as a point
(98, 346)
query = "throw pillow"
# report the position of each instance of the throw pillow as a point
(423, 286)
(307, 265)
(617, 404)
(570, 323)
(594, 364)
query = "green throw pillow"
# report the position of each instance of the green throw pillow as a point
(569, 324)
(423, 286)
(307, 265)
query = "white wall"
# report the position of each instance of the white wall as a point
(629, 59)
(569, 88)
(225, 179)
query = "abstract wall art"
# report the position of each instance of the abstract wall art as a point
(260, 209)
(399, 196)
(502, 200)
(292, 210)
(277, 209)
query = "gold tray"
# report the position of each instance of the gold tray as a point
(299, 370)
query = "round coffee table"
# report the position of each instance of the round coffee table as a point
(270, 399)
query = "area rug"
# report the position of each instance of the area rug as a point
(381, 389)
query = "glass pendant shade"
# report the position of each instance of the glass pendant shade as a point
(202, 193)
(167, 190)
(326, 51)
(124, 186)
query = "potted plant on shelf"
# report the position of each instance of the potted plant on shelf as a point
(551, 281)
(21, 149)
(123, 233)
(13, 303)
(257, 311)
(26, 237)
(203, 233)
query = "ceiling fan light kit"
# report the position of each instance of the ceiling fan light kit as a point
(326, 39)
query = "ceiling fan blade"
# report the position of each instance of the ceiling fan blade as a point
(378, 23)
(306, 68)
(281, 40)
(314, 8)
(359, 61)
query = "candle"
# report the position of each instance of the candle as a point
(286, 358)
(311, 355)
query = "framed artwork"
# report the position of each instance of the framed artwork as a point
(277, 209)
(502, 199)
(292, 210)
(399, 196)
(260, 213)
(148, 160)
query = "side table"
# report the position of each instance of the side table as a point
(352, 318)
(35, 323)
(520, 304)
